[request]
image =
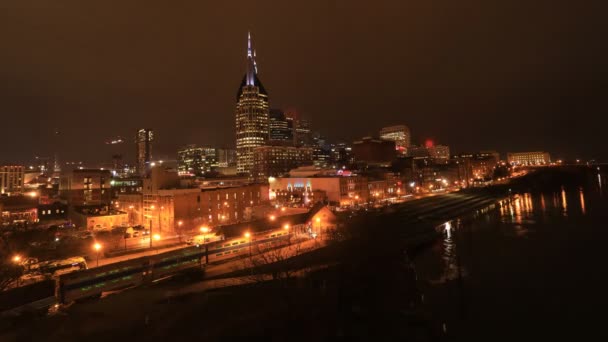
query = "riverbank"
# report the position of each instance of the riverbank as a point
(367, 289)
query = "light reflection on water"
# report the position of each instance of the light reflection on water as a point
(564, 202)
(450, 263)
(498, 250)
(519, 217)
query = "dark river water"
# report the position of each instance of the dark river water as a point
(534, 267)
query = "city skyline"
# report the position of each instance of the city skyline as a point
(504, 90)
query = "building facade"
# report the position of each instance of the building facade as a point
(191, 161)
(400, 134)
(143, 142)
(169, 211)
(281, 129)
(11, 179)
(226, 157)
(529, 158)
(343, 191)
(341, 156)
(252, 111)
(86, 187)
(437, 153)
(374, 151)
(278, 160)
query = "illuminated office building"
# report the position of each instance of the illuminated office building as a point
(143, 142)
(252, 127)
(400, 135)
(529, 158)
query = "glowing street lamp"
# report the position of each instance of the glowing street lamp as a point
(17, 259)
(204, 230)
(97, 247)
(272, 217)
(156, 237)
(286, 226)
(248, 236)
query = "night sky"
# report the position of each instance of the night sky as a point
(510, 75)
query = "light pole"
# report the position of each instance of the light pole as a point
(97, 247)
(17, 260)
(205, 230)
(179, 234)
(286, 227)
(131, 215)
(248, 236)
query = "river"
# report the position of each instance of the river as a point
(533, 267)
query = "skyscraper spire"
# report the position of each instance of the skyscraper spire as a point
(251, 66)
(248, 44)
(255, 64)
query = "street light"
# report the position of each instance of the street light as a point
(204, 230)
(156, 237)
(286, 226)
(17, 259)
(248, 236)
(97, 247)
(272, 217)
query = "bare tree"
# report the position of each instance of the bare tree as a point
(272, 262)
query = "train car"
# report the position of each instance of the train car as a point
(233, 248)
(169, 263)
(59, 267)
(92, 282)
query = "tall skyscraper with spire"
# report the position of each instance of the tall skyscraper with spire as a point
(252, 112)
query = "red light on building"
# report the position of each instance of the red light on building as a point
(429, 143)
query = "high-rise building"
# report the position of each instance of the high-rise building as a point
(190, 161)
(342, 156)
(438, 153)
(143, 141)
(193, 160)
(400, 134)
(11, 178)
(303, 134)
(226, 157)
(374, 151)
(321, 157)
(211, 159)
(278, 160)
(281, 129)
(252, 128)
(86, 187)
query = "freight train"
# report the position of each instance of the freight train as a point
(92, 282)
